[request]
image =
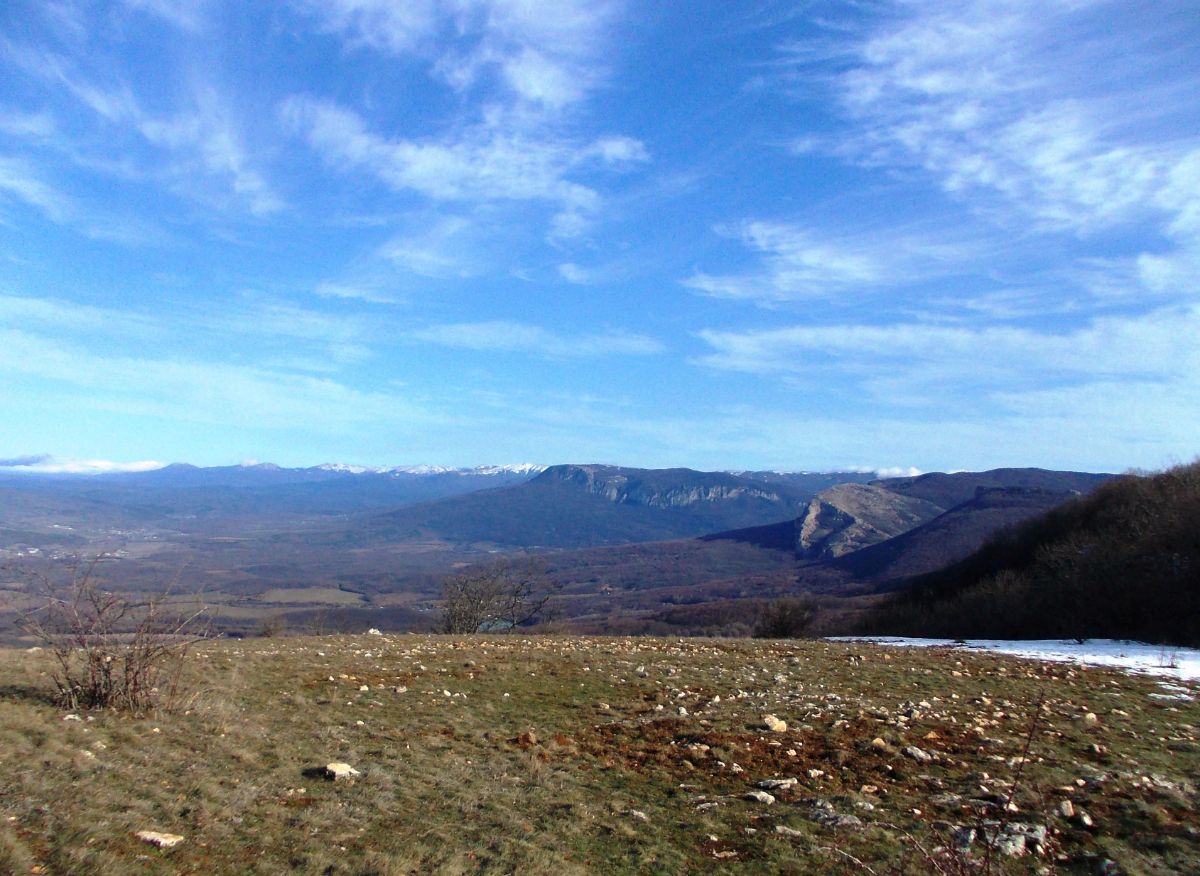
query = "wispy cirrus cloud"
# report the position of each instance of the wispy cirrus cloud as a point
(21, 180)
(1080, 135)
(481, 163)
(803, 262)
(190, 388)
(546, 54)
(515, 337)
(922, 362)
(199, 149)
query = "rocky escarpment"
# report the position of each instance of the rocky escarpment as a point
(849, 517)
(668, 488)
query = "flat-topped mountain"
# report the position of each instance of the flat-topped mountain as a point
(570, 506)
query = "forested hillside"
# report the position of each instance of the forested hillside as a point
(1121, 562)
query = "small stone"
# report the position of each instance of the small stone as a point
(374, 632)
(878, 744)
(777, 784)
(964, 837)
(340, 771)
(364, 687)
(1010, 845)
(917, 754)
(773, 724)
(1066, 809)
(1090, 718)
(783, 830)
(638, 815)
(759, 797)
(815, 774)
(159, 840)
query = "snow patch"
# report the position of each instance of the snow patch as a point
(1164, 660)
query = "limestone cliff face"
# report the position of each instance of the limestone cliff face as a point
(631, 487)
(848, 517)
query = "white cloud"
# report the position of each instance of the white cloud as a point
(205, 138)
(920, 361)
(193, 390)
(546, 54)
(354, 290)
(502, 335)
(20, 180)
(447, 247)
(201, 143)
(187, 15)
(802, 262)
(51, 465)
(573, 273)
(1065, 115)
(478, 164)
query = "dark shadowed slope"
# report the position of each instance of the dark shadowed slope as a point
(948, 537)
(1123, 561)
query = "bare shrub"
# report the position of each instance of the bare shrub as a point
(788, 618)
(498, 596)
(111, 650)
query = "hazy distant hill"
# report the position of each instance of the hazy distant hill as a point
(949, 490)
(587, 505)
(187, 491)
(1123, 561)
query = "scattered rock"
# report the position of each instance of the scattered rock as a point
(783, 830)
(917, 754)
(759, 797)
(374, 632)
(837, 820)
(637, 815)
(773, 724)
(777, 784)
(159, 840)
(1066, 809)
(340, 771)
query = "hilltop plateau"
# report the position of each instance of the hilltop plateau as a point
(596, 755)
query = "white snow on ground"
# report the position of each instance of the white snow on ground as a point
(1165, 660)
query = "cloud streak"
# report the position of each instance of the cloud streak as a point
(515, 337)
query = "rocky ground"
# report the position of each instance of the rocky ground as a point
(405, 754)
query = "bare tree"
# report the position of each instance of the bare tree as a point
(787, 618)
(498, 596)
(111, 650)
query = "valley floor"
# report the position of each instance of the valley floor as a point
(606, 755)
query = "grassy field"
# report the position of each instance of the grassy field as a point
(577, 755)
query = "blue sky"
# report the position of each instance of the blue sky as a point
(723, 235)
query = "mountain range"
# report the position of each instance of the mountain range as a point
(620, 542)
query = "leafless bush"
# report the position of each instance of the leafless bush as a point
(499, 596)
(111, 650)
(787, 618)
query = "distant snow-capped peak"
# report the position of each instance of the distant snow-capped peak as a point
(523, 468)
